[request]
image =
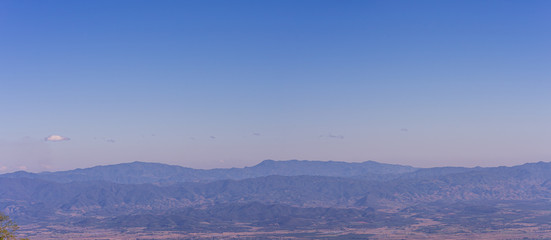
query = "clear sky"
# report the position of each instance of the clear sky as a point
(209, 84)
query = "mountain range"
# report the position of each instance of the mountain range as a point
(143, 172)
(276, 195)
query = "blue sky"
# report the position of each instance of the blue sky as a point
(230, 83)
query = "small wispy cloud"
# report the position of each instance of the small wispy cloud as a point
(256, 134)
(56, 138)
(404, 129)
(212, 137)
(332, 136)
(109, 140)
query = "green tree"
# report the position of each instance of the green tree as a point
(7, 228)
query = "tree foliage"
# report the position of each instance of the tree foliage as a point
(7, 228)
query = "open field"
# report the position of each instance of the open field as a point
(60, 232)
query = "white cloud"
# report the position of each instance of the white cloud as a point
(56, 138)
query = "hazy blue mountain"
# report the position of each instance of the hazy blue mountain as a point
(278, 190)
(37, 197)
(142, 172)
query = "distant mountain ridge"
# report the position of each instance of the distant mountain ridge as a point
(314, 193)
(144, 172)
